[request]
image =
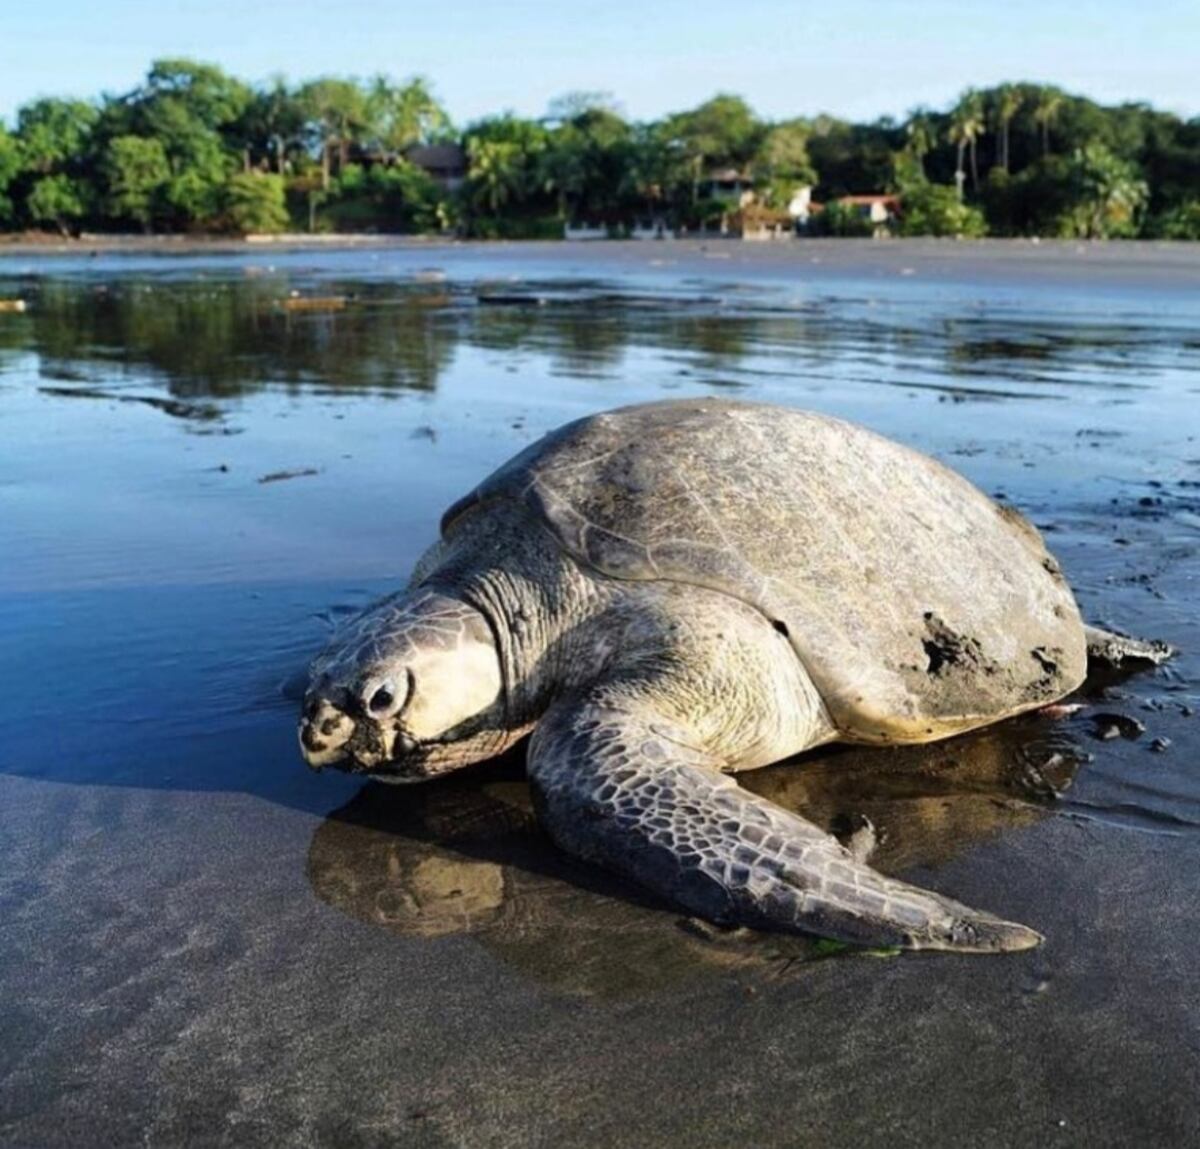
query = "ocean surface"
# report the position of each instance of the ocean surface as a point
(207, 460)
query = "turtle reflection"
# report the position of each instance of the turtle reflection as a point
(465, 855)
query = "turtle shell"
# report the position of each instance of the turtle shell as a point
(919, 606)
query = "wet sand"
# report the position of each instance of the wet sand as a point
(202, 943)
(1146, 263)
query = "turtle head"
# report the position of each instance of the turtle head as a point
(409, 689)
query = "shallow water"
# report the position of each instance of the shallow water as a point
(199, 938)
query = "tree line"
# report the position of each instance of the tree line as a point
(193, 149)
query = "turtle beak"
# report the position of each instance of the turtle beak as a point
(325, 732)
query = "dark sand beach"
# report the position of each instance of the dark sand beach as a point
(201, 942)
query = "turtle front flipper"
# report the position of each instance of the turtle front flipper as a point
(628, 789)
(1106, 648)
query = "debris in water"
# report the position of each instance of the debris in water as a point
(314, 302)
(280, 476)
(177, 408)
(1062, 709)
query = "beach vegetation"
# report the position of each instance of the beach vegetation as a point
(936, 209)
(255, 202)
(193, 149)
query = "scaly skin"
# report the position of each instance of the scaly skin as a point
(628, 772)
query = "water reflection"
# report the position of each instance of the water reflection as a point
(220, 336)
(222, 340)
(466, 855)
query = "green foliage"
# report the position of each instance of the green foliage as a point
(352, 180)
(400, 198)
(528, 226)
(180, 152)
(255, 203)
(908, 171)
(586, 164)
(196, 186)
(777, 193)
(721, 132)
(782, 162)
(190, 110)
(54, 133)
(1180, 222)
(338, 114)
(410, 199)
(136, 173)
(399, 117)
(852, 158)
(920, 136)
(496, 173)
(843, 219)
(1029, 203)
(966, 126)
(1005, 103)
(934, 209)
(828, 947)
(180, 90)
(1047, 104)
(1108, 195)
(572, 105)
(270, 127)
(506, 172)
(58, 200)
(12, 160)
(650, 168)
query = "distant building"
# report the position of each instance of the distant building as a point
(878, 210)
(755, 221)
(802, 207)
(656, 228)
(577, 231)
(727, 184)
(446, 164)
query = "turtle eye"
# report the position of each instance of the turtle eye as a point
(382, 699)
(386, 697)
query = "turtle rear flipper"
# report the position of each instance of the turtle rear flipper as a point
(628, 789)
(1106, 648)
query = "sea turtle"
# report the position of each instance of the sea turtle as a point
(670, 593)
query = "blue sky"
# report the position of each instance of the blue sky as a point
(860, 58)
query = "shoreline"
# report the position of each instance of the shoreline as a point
(1002, 265)
(174, 244)
(171, 243)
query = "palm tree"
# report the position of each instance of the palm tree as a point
(337, 111)
(966, 123)
(1006, 103)
(273, 121)
(406, 115)
(1049, 101)
(494, 172)
(563, 167)
(921, 135)
(1109, 192)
